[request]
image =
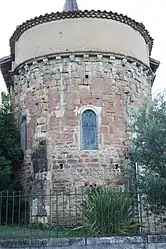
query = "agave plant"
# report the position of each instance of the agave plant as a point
(109, 211)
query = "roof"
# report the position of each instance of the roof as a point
(70, 5)
(154, 64)
(5, 66)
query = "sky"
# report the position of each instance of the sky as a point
(150, 12)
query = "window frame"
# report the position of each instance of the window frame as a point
(81, 129)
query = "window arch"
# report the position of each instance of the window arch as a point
(89, 130)
(23, 133)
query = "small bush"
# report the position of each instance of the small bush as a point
(109, 211)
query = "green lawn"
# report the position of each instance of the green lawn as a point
(12, 232)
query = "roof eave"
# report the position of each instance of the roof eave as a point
(154, 64)
(6, 66)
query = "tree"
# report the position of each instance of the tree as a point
(149, 151)
(11, 155)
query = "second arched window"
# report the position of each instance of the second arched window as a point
(89, 130)
(23, 131)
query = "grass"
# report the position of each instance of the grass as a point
(21, 233)
(13, 232)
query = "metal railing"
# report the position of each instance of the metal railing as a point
(78, 213)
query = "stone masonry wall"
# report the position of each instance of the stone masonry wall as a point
(116, 242)
(53, 92)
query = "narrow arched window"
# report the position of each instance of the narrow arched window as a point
(23, 131)
(89, 130)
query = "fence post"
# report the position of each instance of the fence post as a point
(57, 218)
(13, 207)
(139, 199)
(7, 203)
(0, 207)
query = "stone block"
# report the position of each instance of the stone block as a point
(93, 165)
(104, 129)
(70, 115)
(156, 246)
(101, 241)
(156, 238)
(41, 120)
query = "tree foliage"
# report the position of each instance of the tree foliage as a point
(149, 151)
(11, 155)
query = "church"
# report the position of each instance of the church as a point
(73, 77)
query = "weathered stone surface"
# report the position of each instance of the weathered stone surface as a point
(53, 93)
(82, 243)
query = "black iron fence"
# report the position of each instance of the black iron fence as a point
(80, 213)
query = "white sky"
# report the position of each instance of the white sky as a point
(150, 12)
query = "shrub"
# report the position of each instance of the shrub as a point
(109, 211)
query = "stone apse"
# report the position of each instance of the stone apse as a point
(73, 76)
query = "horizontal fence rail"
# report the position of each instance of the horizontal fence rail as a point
(80, 213)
